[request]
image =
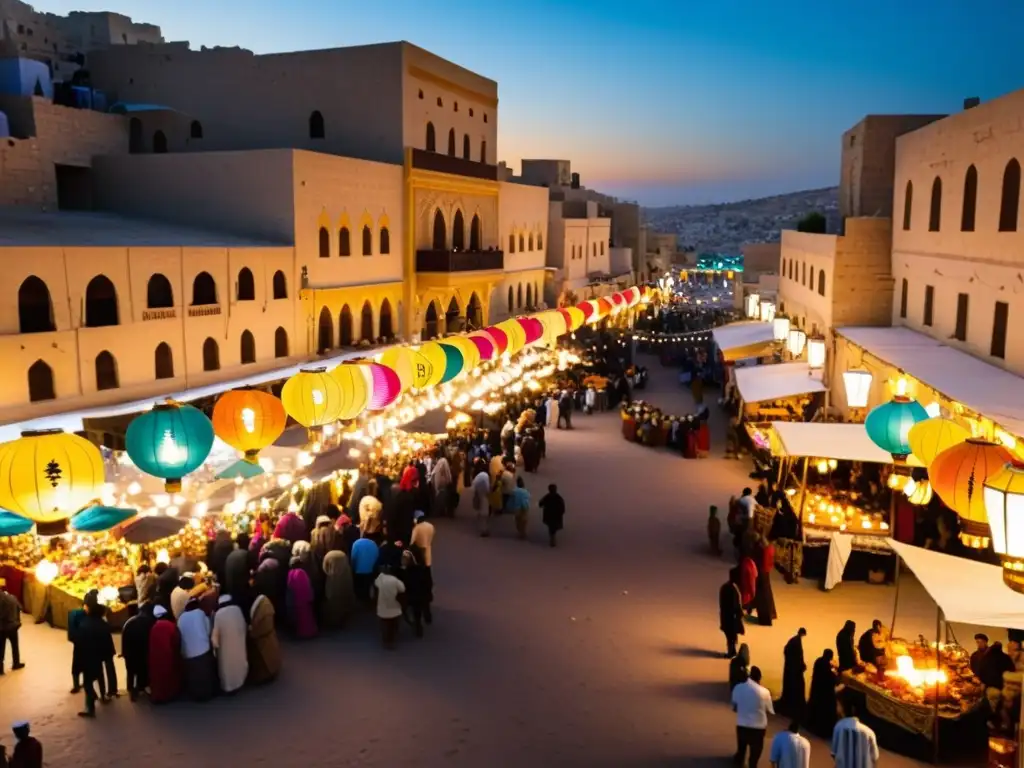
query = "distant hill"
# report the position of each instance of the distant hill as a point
(725, 227)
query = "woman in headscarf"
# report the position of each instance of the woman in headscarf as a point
(440, 476)
(846, 646)
(371, 524)
(300, 600)
(264, 653)
(291, 527)
(236, 579)
(268, 581)
(339, 591)
(145, 585)
(739, 667)
(199, 667)
(164, 657)
(764, 600)
(403, 505)
(748, 582)
(228, 639)
(821, 706)
(531, 453)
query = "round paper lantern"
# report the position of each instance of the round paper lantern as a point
(99, 518)
(454, 362)
(470, 353)
(888, 425)
(515, 334)
(632, 296)
(47, 476)
(485, 344)
(400, 360)
(554, 324)
(383, 383)
(1004, 508)
(567, 317)
(920, 494)
(958, 475)
(436, 362)
(532, 329)
(577, 317)
(499, 336)
(248, 420)
(604, 306)
(588, 309)
(618, 300)
(12, 524)
(931, 437)
(169, 441)
(355, 390)
(312, 397)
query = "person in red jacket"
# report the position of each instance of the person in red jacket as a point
(164, 658)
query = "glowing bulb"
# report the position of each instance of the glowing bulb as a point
(134, 489)
(46, 572)
(933, 410)
(162, 556)
(171, 511)
(318, 397)
(169, 452)
(249, 420)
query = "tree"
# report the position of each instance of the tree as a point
(812, 222)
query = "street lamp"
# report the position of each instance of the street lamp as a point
(816, 353)
(780, 326)
(1004, 506)
(858, 387)
(796, 341)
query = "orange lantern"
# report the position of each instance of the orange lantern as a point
(958, 475)
(248, 420)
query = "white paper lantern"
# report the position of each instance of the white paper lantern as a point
(780, 327)
(796, 341)
(858, 387)
(816, 353)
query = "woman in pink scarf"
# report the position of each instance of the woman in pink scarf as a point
(300, 600)
(291, 528)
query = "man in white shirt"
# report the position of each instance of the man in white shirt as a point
(853, 743)
(790, 749)
(752, 704)
(389, 610)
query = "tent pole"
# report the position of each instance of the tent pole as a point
(896, 601)
(803, 499)
(938, 666)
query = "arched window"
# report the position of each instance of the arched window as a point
(458, 232)
(385, 241)
(451, 142)
(935, 208)
(325, 336)
(100, 303)
(529, 296)
(280, 285)
(195, 130)
(40, 382)
(344, 242)
(465, 147)
(511, 243)
(431, 138)
(247, 346)
(316, 125)
(280, 342)
(440, 234)
(967, 215)
(519, 296)
(345, 327)
(474, 313)
(246, 285)
(367, 241)
(474, 233)
(430, 321)
(522, 242)
(540, 242)
(204, 290)
(211, 355)
(325, 243)
(159, 143)
(593, 250)
(163, 361)
(483, 151)
(602, 247)
(510, 302)
(529, 242)
(821, 282)
(810, 281)
(803, 273)
(106, 371)
(35, 307)
(366, 323)
(908, 205)
(159, 294)
(135, 136)
(386, 328)
(453, 317)
(1009, 206)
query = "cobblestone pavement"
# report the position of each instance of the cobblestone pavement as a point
(602, 652)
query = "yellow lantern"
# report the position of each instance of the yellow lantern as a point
(931, 437)
(354, 388)
(49, 475)
(578, 317)
(430, 367)
(312, 397)
(248, 420)
(515, 333)
(400, 360)
(554, 326)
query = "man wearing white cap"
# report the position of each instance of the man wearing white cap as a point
(28, 752)
(10, 623)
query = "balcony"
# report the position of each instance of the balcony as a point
(459, 261)
(204, 310)
(159, 314)
(435, 161)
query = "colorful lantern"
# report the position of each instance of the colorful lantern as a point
(12, 524)
(888, 425)
(857, 383)
(470, 353)
(632, 296)
(577, 318)
(454, 362)
(958, 475)
(499, 336)
(312, 397)
(400, 360)
(532, 329)
(515, 334)
(384, 385)
(485, 344)
(99, 518)
(918, 492)
(931, 437)
(1004, 508)
(554, 324)
(355, 391)
(589, 310)
(604, 306)
(436, 360)
(248, 420)
(169, 441)
(47, 476)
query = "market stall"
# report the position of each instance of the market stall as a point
(777, 392)
(744, 339)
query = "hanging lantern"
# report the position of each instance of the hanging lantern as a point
(780, 328)
(632, 296)
(576, 318)
(795, 341)
(958, 475)
(400, 360)
(354, 388)
(767, 311)
(888, 425)
(815, 353)
(499, 336)
(857, 383)
(753, 306)
(383, 384)
(553, 325)
(248, 420)
(588, 309)
(514, 333)
(13, 525)
(469, 351)
(604, 306)
(918, 492)
(932, 436)
(313, 398)
(454, 362)
(485, 344)
(427, 371)
(1004, 508)
(47, 476)
(532, 329)
(169, 441)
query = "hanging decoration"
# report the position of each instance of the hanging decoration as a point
(12, 524)
(499, 336)
(400, 360)
(958, 474)
(918, 492)
(354, 389)
(469, 351)
(932, 436)
(454, 362)
(1004, 508)
(514, 333)
(169, 442)
(533, 330)
(99, 518)
(249, 420)
(888, 425)
(485, 344)
(437, 361)
(384, 385)
(604, 307)
(313, 398)
(588, 309)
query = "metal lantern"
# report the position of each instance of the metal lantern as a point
(857, 383)
(169, 441)
(816, 353)
(1004, 506)
(780, 327)
(767, 311)
(932, 436)
(312, 397)
(958, 474)
(796, 341)
(47, 476)
(249, 420)
(888, 425)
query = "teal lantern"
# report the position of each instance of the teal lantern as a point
(99, 518)
(13, 525)
(454, 361)
(888, 425)
(169, 442)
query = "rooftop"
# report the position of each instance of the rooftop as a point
(70, 229)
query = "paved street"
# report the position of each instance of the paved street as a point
(603, 652)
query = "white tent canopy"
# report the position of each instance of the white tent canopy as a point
(775, 382)
(967, 591)
(743, 334)
(844, 442)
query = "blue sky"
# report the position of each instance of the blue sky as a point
(679, 101)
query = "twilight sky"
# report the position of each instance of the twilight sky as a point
(671, 101)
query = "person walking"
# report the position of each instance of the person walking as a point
(752, 704)
(553, 512)
(28, 752)
(730, 612)
(93, 645)
(10, 624)
(389, 610)
(228, 638)
(794, 688)
(520, 505)
(853, 744)
(790, 749)
(565, 408)
(481, 499)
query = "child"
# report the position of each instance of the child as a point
(715, 532)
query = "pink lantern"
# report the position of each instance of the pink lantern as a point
(384, 385)
(499, 336)
(532, 327)
(485, 344)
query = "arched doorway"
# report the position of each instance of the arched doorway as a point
(159, 143)
(106, 371)
(474, 233)
(159, 294)
(474, 313)
(451, 142)
(453, 317)
(211, 355)
(280, 342)
(511, 300)
(204, 290)
(247, 350)
(40, 382)
(430, 321)
(458, 232)
(163, 361)
(345, 327)
(386, 329)
(246, 285)
(325, 337)
(35, 307)
(100, 303)
(440, 233)
(519, 296)
(280, 285)
(134, 136)
(366, 323)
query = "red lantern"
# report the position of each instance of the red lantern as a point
(499, 336)
(588, 310)
(532, 327)
(568, 318)
(618, 300)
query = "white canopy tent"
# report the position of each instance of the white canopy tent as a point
(744, 339)
(761, 383)
(843, 442)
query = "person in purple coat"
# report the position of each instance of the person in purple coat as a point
(300, 600)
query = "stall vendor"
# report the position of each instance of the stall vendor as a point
(873, 645)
